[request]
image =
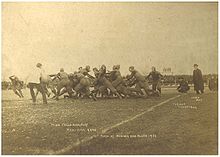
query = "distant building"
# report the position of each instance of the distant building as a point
(167, 71)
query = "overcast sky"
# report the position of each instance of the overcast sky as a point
(71, 35)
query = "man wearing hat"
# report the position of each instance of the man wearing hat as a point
(198, 80)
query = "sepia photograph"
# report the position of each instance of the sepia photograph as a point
(109, 78)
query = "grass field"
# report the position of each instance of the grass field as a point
(171, 124)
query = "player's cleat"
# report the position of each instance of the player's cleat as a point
(93, 97)
(66, 96)
(158, 94)
(119, 96)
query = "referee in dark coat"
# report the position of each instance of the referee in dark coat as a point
(198, 80)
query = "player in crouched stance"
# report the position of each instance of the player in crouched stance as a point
(83, 85)
(63, 83)
(16, 86)
(183, 86)
(141, 82)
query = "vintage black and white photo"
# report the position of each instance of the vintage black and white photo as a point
(109, 78)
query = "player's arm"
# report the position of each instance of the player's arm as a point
(53, 75)
(87, 74)
(12, 77)
(131, 76)
(160, 75)
(101, 73)
(58, 76)
(90, 76)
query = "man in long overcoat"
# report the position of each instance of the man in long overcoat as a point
(198, 80)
